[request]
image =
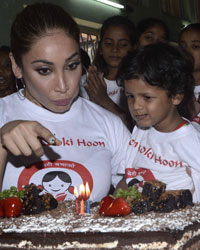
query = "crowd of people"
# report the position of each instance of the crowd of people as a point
(130, 115)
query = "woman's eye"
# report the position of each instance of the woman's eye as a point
(43, 71)
(73, 66)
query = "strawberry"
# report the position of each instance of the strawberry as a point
(105, 203)
(119, 207)
(12, 206)
(2, 208)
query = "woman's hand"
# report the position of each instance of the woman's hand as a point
(24, 137)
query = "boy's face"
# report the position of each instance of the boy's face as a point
(151, 106)
(190, 41)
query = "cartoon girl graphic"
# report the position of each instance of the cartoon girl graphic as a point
(137, 177)
(57, 183)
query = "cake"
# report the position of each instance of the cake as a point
(62, 228)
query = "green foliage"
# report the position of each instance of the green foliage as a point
(131, 194)
(12, 192)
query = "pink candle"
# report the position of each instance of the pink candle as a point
(77, 206)
(76, 201)
(82, 195)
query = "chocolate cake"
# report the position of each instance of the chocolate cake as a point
(62, 228)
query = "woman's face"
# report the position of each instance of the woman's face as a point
(51, 71)
(152, 35)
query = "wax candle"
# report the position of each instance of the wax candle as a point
(76, 200)
(88, 206)
(82, 195)
(87, 193)
(77, 206)
(82, 207)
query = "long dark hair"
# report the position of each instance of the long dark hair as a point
(34, 22)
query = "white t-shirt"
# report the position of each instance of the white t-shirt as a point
(197, 91)
(196, 119)
(165, 157)
(93, 145)
(115, 92)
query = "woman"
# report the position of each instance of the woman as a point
(46, 127)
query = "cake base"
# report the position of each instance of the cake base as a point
(161, 240)
(63, 229)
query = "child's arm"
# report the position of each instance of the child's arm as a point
(97, 91)
(3, 156)
(122, 184)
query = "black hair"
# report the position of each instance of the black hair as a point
(85, 60)
(164, 66)
(192, 26)
(147, 23)
(117, 20)
(35, 21)
(52, 175)
(5, 48)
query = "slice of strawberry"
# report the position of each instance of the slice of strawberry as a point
(12, 206)
(105, 203)
(119, 207)
(2, 208)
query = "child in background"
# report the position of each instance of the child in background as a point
(117, 37)
(164, 145)
(7, 80)
(189, 40)
(151, 30)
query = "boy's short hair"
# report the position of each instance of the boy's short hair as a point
(164, 66)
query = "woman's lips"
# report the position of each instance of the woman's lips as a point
(62, 102)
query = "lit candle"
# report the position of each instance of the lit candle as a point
(82, 194)
(87, 191)
(76, 201)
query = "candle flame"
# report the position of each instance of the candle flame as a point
(75, 192)
(81, 191)
(87, 191)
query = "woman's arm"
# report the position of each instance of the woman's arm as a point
(24, 137)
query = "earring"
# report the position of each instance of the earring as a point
(20, 86)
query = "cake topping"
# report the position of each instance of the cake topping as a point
(114, 207)
(26, 201)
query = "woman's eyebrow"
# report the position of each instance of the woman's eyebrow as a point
(51, 63)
